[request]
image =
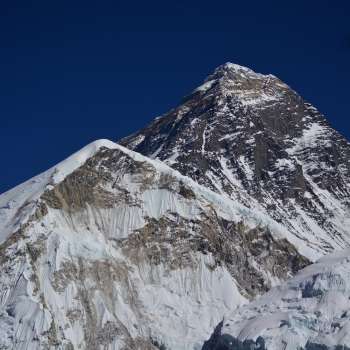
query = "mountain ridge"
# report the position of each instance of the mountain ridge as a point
(157, 242)
(110, 214)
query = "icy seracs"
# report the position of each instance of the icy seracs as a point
(310, 311)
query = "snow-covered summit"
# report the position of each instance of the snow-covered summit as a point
(233, 79)
(73, 162)
(228, 68)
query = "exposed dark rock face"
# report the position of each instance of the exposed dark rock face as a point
(227, 342)
(220, 341)
(313, 346)
(253, 138)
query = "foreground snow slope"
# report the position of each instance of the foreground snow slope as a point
(310, 311)
(112, 250)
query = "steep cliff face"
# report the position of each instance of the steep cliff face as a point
(252, 138)
(113, 250)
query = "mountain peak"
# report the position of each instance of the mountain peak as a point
(229, 66)
(233, 71)
(231, 79)
(253, 138)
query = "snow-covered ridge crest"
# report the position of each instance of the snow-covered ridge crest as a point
(67, 166)
(26, 194)
(55, 261)
(122, 240)
(17, 204)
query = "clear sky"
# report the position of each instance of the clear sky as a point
(75, 71)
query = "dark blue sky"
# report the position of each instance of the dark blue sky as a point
(73, 71)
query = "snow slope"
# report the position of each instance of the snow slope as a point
(307, 312)
(112, 250)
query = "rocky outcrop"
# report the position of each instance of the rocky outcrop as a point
(220, 341)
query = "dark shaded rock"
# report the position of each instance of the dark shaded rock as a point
(314, 346)
(219, 341)
(276, 146)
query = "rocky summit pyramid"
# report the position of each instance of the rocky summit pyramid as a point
(166, 239)
(253, 139)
